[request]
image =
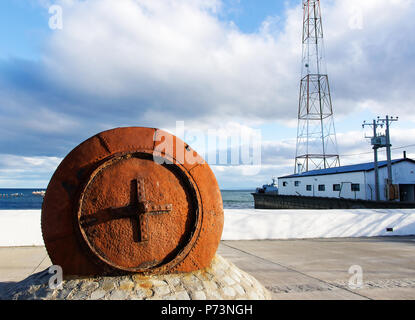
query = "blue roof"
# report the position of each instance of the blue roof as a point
(352, 168)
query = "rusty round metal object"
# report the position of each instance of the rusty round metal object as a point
(132, 200)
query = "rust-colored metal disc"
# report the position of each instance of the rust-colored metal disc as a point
(132, 200)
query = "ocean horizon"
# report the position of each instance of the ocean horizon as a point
(24, 199)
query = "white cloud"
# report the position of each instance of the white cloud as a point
(153, 62)
(171, 57)
(177, 59)
(18, 172)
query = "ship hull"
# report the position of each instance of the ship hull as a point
(273, 201)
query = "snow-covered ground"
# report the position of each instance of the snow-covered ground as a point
(22, 227)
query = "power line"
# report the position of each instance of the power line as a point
(354, 155)
(403, 147)
(363, 153)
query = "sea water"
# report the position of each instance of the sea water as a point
(24, 199)
(20, 199)
(238, 199)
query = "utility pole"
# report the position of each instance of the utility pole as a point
(376, 146)
(375, 150)
(387, 121)
(381, 141)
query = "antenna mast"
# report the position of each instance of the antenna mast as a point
(316, 134)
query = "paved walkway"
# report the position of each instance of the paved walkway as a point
(290, 269)
(319, 269)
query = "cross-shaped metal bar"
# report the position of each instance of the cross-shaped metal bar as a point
(141, 209)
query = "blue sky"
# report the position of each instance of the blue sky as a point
(231, 65)
(24, 26)
(28, 21)
(248, 15)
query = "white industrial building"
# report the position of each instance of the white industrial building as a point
(353, 182)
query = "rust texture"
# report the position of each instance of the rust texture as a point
(133, 200)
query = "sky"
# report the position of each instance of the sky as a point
(229, 66)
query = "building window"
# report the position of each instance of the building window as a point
(355, 187)
(321, 187)
(309, 187)
(336, 187)
(297, 183)
(285, 183)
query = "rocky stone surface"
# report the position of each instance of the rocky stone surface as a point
(221, 281)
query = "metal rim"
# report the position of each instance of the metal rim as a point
(193, 233)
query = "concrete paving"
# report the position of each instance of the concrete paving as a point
(17, 263)
(319, 268)
(290, 269)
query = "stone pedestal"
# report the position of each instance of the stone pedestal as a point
(222, 280)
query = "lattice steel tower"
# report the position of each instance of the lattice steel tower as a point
(316, 136)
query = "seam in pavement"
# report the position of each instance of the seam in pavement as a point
(302, 273)
(38, 264)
